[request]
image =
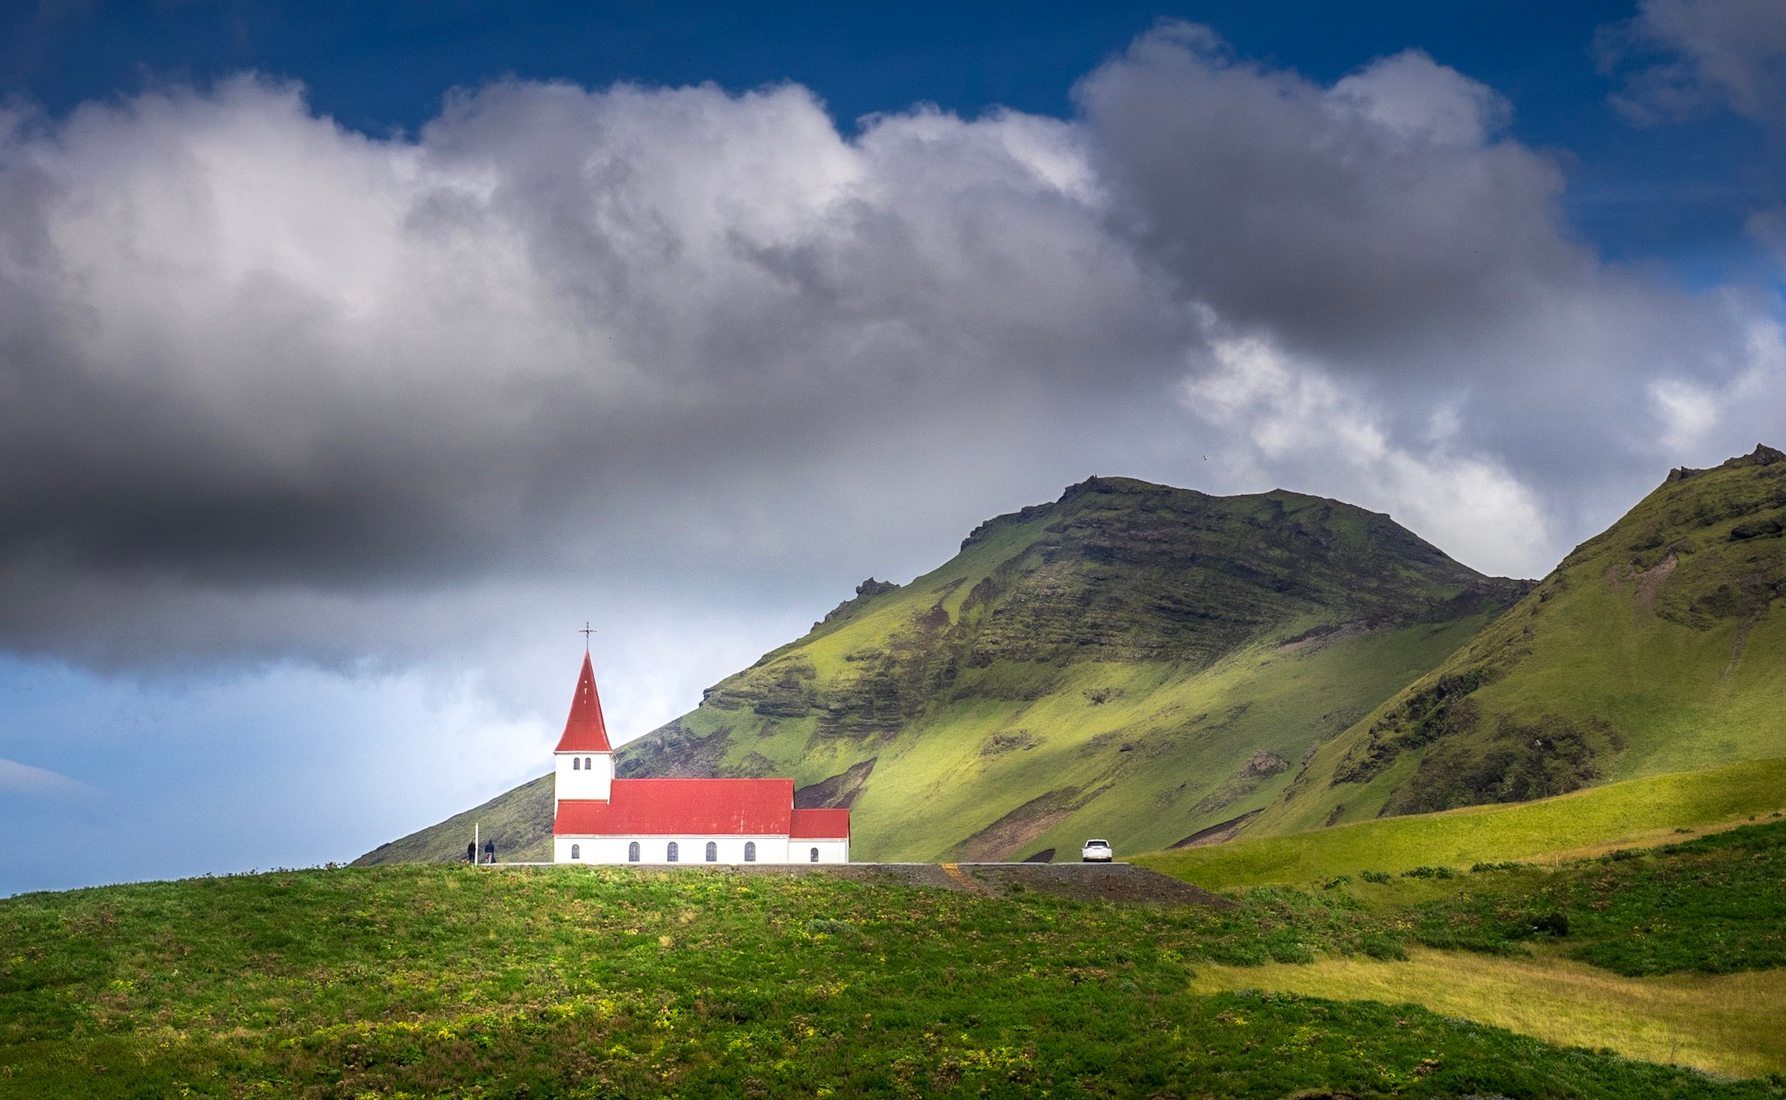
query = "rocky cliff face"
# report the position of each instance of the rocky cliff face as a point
(1131, 571)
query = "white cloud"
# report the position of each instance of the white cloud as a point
(1421, 100)
(267, 369)
(24, 779)
(1387, 232)
(1372, 223)
(1687, 411)
(1297, 419)
(261, 368)
(1696, 418)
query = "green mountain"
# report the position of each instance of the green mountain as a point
(1131, 661)
(1657, 647)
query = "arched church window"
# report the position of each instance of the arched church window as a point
(712, 852)
(576, 851)
(576, 763)
(750, 851)
(815, 855)
(632, 852)
(674, 853)
(588, 764)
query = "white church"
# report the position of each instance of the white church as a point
(601, 819)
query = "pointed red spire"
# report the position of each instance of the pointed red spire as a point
(584, 730)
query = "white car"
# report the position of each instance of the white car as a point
(1095, 851)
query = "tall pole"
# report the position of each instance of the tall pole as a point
(476, 852)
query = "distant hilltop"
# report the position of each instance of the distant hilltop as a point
(1130, 661)
(1161, 666)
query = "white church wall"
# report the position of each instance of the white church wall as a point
(583, 775)
(655, 849)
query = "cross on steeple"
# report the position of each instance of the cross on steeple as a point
(586, 632)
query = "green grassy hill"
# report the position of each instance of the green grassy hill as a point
(1633, 814)
(1675, 953)
(520, 818)
(1130, 661)
(436, 980)
(1656, 647)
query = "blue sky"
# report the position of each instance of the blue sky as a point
(353, 355)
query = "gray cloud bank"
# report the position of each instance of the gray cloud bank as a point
(257, 369)
(1682, 58)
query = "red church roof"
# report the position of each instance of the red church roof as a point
(828, 824)
(670, 807)
(584, 730)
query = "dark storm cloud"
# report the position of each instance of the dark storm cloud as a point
(251, 357)
(1352, 220)
(1385, 230)
(255, 367)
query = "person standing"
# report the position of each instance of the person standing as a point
(471, 851)
(489, 851)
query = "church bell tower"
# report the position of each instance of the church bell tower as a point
(584, 759)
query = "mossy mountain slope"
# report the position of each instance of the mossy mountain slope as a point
(1131, 661)
(1658, 646)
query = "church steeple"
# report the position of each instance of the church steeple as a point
(584, 730)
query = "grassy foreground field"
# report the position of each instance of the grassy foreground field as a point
(453, 980)
(1675, 954)
(1726, 1023)
(1630, 814)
